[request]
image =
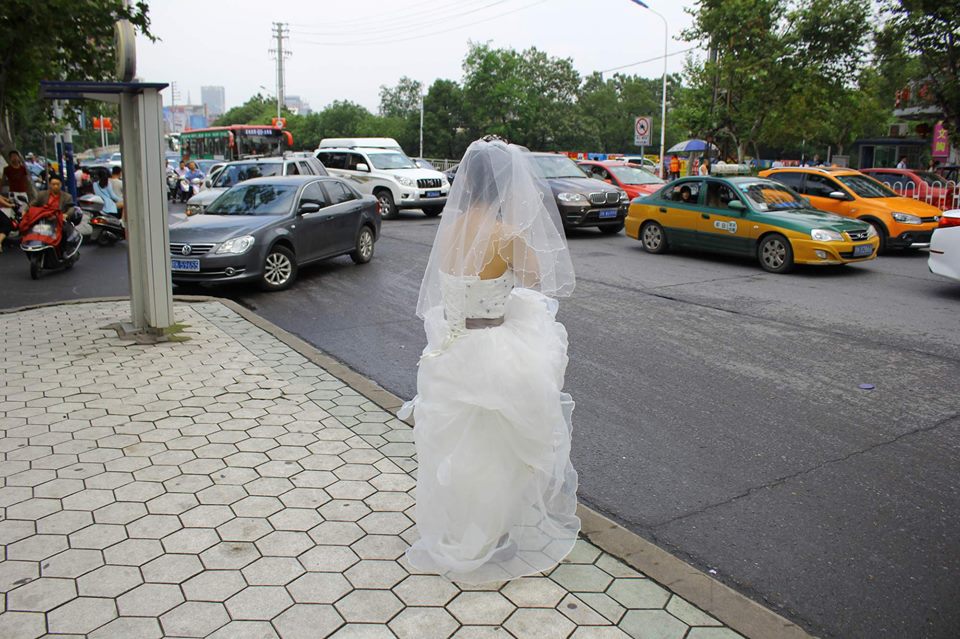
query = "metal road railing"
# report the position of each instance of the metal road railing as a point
(943, 195)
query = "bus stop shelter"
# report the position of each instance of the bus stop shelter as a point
(145, 201)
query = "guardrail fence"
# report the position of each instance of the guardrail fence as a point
(944, 195)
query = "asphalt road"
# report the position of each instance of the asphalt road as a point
(718, 409)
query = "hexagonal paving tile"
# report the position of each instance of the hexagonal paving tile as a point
(206, 516)
(133, 552)
(307, 621)
(41, 595)
(369, 606)
(190, 540)
(385, 523)
(72, 563)
(17, 573)
(124, 627)
(98, 536)
(581, 578)
(272, 571)
(214, 585)
(81, 616)
(109, 581)
(244, 529)
(246, 630)
(328, 559)
(533, 592)
(64, 522)
(372, 573)
(300, 519)
(149, 600)
(194, 619)
(36, 547)
(380, 547)
(483, 608)
(344, 510)
(653, 623)
(13, 530)
(259, 602)
(638, 593)
(229, 555)
(426, 590)
(284, 543)
(424, 623)
(172, 569)
(319, 587)
(22, 625)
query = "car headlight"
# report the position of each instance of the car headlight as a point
(404, 181)
(871, 230)
(194, 209)
(571, 197)
(236, 246)
(624, 197)
(906, 218)
(444, 181)
(823, 235)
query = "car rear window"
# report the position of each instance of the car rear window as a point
(233, 174)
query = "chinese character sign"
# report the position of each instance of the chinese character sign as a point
(940, 147)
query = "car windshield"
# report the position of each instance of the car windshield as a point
(391, 161)
(558, 166)
(205, 165)
(864, 186)
(932, 179)
(236, 173)
(255, 199)
(771, 196)
(633, 175)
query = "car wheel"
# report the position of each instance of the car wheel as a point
(388, 208)
(653, 238)
(881, 235)
(775, 254)
(363, 252)
(611, 229)
(279, 269)
(35, 260)
(432, 211)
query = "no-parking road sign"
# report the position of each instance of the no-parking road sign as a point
(641, 130)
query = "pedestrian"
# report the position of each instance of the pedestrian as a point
(704, 168)
(674, 167)
(111, 201)
(496, 492)
(16, 177)
(902, 164)
(777, 164)
(6, 223)
(116, 181)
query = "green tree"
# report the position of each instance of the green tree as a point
(54, 40)
(767, 57)
(257, 110)
(402, 100)
(443, 120)
(930, 31)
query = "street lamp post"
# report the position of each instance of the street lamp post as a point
(663, 105)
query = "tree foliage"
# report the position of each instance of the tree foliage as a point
(930, 31)
(54, 40)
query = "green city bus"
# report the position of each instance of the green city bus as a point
(227, 143)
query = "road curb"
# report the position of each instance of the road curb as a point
(737, 611)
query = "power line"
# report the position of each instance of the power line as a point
(421, 35)
(389, 18)
(654, 59)
(400, 26)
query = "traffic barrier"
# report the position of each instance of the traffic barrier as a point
(944, 195)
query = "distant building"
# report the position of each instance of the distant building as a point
(183, 117)
(214, 99)
(296, 105)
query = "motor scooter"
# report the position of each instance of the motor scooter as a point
(49, 239)
(15, 213)
(106, 228)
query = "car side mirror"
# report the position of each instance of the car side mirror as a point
(206, 183)
(363, 167)
(308, 207)
(737, 205)
(838, 195)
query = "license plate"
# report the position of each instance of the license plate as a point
(185, 265)
(432, 194)
(862, 250)
(605, 213)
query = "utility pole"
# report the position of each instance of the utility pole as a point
(280, 32)
(421, 121)
(174, 94)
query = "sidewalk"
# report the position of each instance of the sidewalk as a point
(229, 487)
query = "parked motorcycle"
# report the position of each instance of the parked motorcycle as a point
(106, 228)
(186, 189)
(49, 239)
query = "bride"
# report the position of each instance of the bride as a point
(496, 493)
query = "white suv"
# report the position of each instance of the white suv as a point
(390, 176)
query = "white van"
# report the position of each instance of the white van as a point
(389, 175)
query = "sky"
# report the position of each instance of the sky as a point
(345, 50)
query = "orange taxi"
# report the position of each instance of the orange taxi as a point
(900, 222)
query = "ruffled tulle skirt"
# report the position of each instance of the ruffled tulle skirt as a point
(496, 493)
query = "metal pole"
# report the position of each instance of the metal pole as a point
(663, 105)
(421, 121)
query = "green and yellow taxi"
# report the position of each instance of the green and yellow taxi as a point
(748, 216)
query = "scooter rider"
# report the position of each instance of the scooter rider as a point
(56, 197)
(193, 173)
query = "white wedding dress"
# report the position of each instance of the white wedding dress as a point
(496, 492)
